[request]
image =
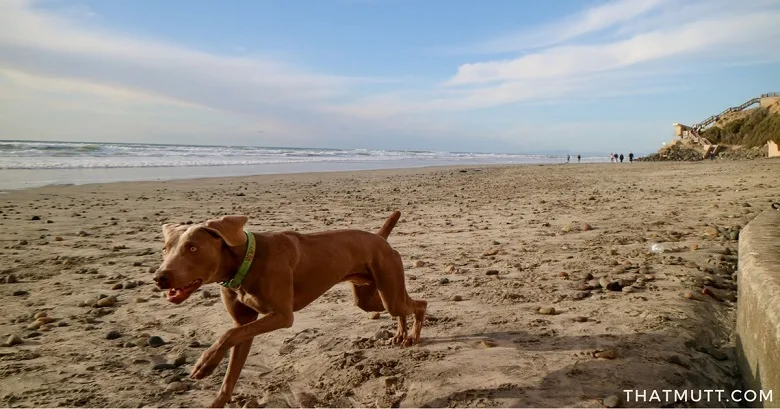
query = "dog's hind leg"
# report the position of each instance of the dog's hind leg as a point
(388, 272)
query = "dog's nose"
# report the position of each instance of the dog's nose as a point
(161, 278)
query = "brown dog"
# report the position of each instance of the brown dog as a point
(288, 271)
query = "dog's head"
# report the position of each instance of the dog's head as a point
(192, 255)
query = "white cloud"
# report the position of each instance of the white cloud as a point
(593, 20)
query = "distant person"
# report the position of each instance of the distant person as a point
(621, 158)
(631, 157)
(578, 158)
(611, 157)
(568, 157)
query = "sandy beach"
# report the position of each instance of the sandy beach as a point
(512, 261)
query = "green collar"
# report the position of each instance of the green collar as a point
(244, 268)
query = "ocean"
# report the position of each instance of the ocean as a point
(26, 164)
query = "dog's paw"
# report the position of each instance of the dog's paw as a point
(207, 364)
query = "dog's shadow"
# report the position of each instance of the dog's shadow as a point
(666, 362)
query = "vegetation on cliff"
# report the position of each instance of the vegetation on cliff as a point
(752, 129)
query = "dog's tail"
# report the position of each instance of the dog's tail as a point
(389, 224)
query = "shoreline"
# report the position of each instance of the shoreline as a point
(297, 172)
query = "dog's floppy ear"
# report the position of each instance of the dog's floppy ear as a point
(230, 228)
(167, 229)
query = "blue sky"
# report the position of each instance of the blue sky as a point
(497, 76)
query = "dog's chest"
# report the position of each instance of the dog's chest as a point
(253, 302)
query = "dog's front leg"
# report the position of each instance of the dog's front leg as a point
(238, 354)
(238, 335)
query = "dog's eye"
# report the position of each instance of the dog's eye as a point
(193, 248)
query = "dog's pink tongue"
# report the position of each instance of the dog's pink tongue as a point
(175, 296)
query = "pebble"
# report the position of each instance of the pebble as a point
(137, 264)
(118, 286)
(694, 247)
(130, 285)
(374, 315)
(35, 218)
(547, 310)
(113, 334)
(586, 227)
(139, 300)
(11, 279)
(155, 341)
(628, 289)
(450, 268)
(179, 360)
(614, 286)
(162, 366)
(456, 298)
(40, 315)
(106, 302)
(606, 354)
(611, 401)
(580, 319)
(176, 387)
(194, 344)
(58, 238)
(13, 340)
(207, 294)
(580, 295)
(491, 272)
(444, 280)
(20, 293)
(419, 263)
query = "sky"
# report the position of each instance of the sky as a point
(483, 76)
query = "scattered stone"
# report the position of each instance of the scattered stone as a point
(450, 268)
(444, 280)
(611, 401)
(130, 285)
(419, 263)
(155, 341)
(194, 344)
(106, 302)
(606, 354)
(118, 286)
(694, 247)
(581, 295)
(586, 227)
(456, 298)
(691, 296)
(614, 286)
(490, 253)
(13, 340)
(11, 279)
(162, 366)
(20, 293)
(177, 387)
(35, 218)
(629, 289)
(491, 272)
(580, 319)
(113, 334)
(566, 228)
(40, 315)
(711, 231)
(563, 274)
(547, 310)
(207, 294)
(139, 300)
(179, 360)
(374, 315)
(58, 238)
(137, 264)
